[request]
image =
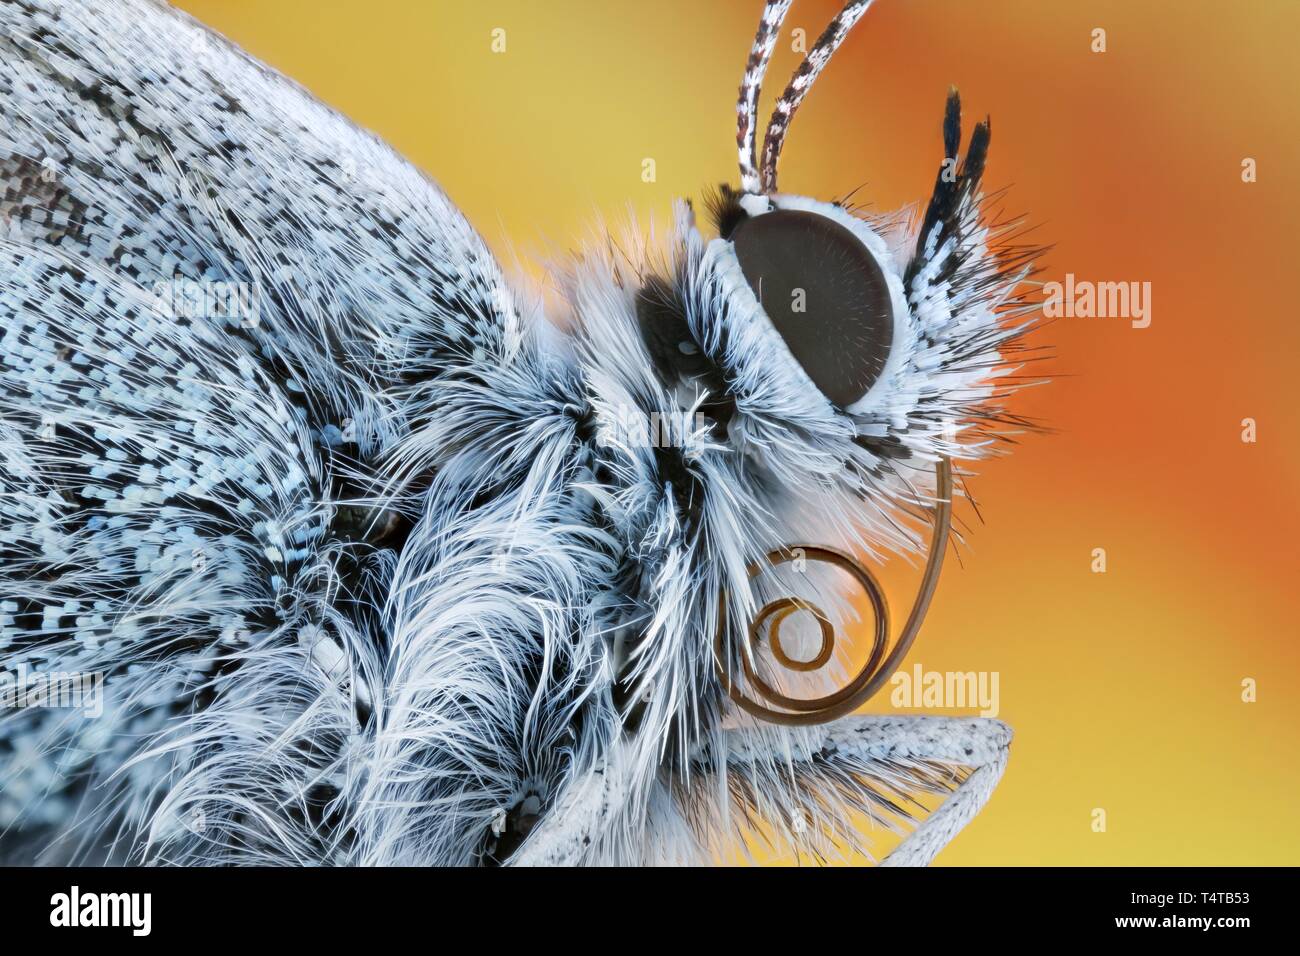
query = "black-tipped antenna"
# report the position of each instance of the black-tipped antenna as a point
(800, 84)
(769, 27)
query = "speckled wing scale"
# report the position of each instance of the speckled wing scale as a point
(170, 488)
(370, 555)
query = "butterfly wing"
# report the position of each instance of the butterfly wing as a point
(140, 139)
(221, 304)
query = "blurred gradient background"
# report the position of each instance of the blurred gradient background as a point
(1124, 688)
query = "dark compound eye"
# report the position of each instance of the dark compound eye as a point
(826, 295)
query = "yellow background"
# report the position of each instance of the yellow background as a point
(1124, 688)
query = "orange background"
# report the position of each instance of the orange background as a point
(1124, 688)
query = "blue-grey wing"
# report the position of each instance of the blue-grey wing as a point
(220, 304)
(138, 138)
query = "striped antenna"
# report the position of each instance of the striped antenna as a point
(800, 84)
(747, 106)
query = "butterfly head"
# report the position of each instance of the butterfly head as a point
(819, 370)
(837, 352)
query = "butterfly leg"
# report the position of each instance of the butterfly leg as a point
(873, 765)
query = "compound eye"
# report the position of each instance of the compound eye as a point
(826, 295)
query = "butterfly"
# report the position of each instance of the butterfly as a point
(323, 541)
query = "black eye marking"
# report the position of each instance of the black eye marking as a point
(676, 354)
(826, 295)
(666, 333)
